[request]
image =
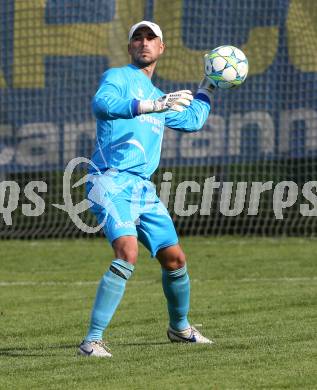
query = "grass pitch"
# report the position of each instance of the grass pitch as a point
(255, 297)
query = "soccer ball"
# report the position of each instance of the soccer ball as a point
(226, 67)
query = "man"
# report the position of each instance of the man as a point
(131, 114)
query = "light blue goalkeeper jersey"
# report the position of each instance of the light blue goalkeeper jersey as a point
(128, 141)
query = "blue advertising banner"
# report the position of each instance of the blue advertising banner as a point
(53, 54)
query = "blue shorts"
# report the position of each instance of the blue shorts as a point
(127, 205)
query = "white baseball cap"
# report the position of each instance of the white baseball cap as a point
(153, 26)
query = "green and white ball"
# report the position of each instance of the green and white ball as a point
(226, 67)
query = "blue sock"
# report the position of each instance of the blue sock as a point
(108, 297)
(176, 288)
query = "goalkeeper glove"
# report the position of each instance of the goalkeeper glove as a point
(177, 101)
(206, 87)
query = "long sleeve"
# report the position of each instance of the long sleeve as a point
(191, 119)
(109, 102)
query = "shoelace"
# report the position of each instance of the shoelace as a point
(196, 332)
(193, 330)
(103, 345)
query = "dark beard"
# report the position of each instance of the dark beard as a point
(142, 63)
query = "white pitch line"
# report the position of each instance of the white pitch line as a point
(92, 283)
(299, 279)
(46, 283)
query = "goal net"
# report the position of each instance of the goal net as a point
(251, 170)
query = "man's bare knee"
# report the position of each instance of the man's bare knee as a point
(126, 248)
(171, 258)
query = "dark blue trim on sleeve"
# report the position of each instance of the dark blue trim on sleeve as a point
(203, 97)
(135, 106)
